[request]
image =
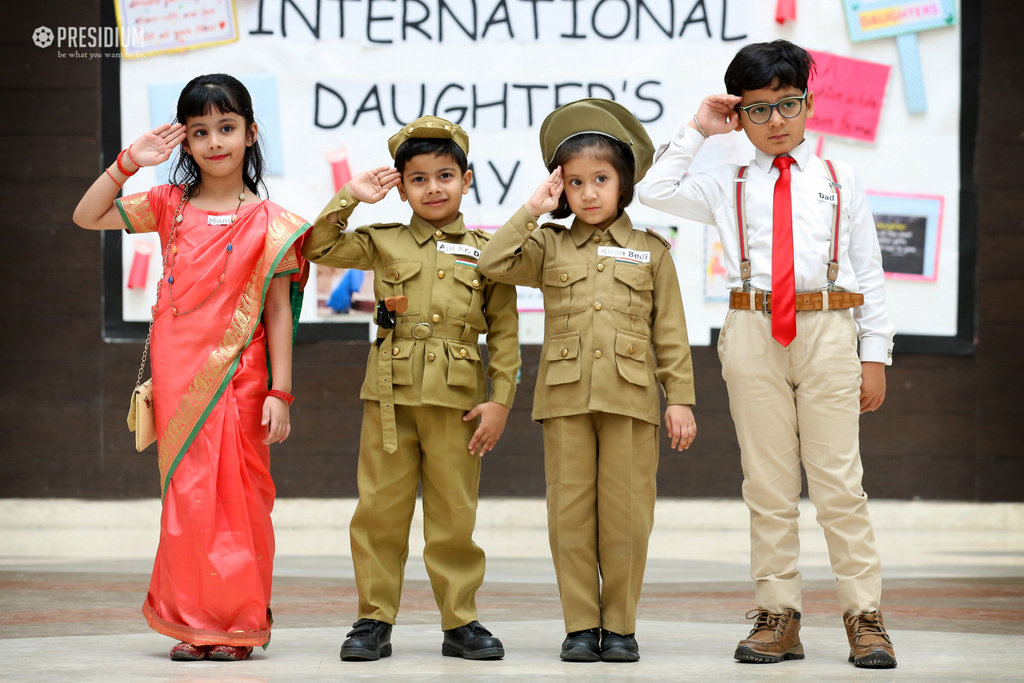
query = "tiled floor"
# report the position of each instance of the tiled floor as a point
(73, 576)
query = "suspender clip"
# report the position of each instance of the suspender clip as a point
(745, 274)
(833, 275)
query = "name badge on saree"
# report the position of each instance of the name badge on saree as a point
(218, 220)
(625, 255)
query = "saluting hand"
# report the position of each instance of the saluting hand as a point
(492, 423)
(155, 147)
(546, 197)
(681, 426)
(717, 114)
(372, 186)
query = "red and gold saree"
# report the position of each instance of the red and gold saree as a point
(211, 579)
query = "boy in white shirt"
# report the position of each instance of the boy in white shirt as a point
(805, 270)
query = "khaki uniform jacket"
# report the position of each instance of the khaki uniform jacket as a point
(603, 314)
(435, 352)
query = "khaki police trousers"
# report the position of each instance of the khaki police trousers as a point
(601, 485)
(433, 450)
(793, 406)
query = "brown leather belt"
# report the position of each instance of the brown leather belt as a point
(805, 301)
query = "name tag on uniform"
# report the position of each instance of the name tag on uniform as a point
(625, 255)
(827, 197)
(458, 249)
(218, 220)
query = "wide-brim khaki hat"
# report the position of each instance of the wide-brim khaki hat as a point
(603, 117)
(430, 127)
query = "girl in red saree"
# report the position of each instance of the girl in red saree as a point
(222, 335)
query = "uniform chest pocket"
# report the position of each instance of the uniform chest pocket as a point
(565, 288)
(400, 278)
(563, 358)
(634, 290)
(631, 357)
(466, 297)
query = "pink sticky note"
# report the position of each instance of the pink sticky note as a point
(848, 96)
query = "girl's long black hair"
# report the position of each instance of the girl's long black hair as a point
(226, 94)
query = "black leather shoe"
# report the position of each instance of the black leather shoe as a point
(582, 646)
(368, 641)
(616, 648)
(471, 641)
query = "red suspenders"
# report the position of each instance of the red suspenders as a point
(740, 182)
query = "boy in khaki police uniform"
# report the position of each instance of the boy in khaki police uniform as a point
(614, 329)
(803, 260)
(422, 376)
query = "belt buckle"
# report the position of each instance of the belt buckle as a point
(422, 330)
(764, 303)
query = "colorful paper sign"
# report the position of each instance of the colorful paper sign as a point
(176, 25)
(909, 229)
(848, 96)
(872, 19)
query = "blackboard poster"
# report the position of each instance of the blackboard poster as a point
(908, 233)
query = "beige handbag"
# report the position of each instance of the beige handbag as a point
(141, 418)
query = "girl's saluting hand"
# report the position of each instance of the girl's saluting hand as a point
(155, 147)
(546, 197)
(372, 186)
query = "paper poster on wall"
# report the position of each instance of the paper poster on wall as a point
(848, 96)
(909, 231)
(176, 25)
(714, 266)
(163, 102)
(871, 19)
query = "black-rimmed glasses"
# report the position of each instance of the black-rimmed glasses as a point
(761, 112)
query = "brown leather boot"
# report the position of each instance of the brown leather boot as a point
(775, 637)
(870, 646)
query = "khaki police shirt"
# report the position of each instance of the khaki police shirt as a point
(435, 350)
(611, 303)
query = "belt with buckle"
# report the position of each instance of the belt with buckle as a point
(805, 301)
(425, 330)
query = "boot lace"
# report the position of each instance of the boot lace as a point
(767, 621)
(869, 624)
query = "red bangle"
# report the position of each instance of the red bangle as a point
(283, 395)
(121, 168)
(107, 171)
(129, 151)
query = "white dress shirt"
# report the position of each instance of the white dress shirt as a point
(710, 198)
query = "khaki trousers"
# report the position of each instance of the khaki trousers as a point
(601, 485)
(432, 451)
(793, 406)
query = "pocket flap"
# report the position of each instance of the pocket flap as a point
(635, 277)
(463, 350)
(631, 345)
(469, 276)
(565, 274)
(403, 346)
(564, 346)
(400, 271)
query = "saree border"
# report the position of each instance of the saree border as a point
(218, 369)
(196, 636)
(137, 205)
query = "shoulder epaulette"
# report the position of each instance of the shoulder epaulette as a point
(660, 239)
(554, 226)
(483, 234)
(378, 226)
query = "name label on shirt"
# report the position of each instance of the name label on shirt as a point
(625, 255)
(458, 249)
(826, 197)
(218, 220)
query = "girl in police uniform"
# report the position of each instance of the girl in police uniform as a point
(612, 304)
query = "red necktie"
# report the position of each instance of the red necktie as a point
(783, 287)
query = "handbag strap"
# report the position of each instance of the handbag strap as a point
(159, 284)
